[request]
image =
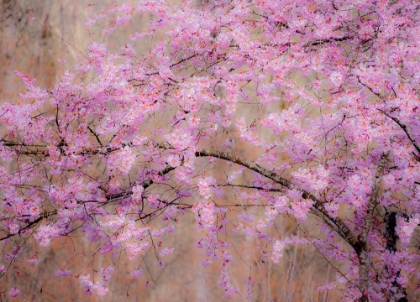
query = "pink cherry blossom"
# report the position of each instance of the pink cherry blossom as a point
(236, 116)
(137, 273)
(14, 292)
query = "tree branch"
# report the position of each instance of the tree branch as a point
(404, 128)
(251, 187)
(318, 209)
(31, 224)
(364, 260)
(96, 135)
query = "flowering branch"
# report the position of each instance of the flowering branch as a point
(335, 223)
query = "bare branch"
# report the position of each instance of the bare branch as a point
(96, 135)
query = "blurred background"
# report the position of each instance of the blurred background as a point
(57, 32)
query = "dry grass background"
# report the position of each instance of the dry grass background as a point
(34, 47)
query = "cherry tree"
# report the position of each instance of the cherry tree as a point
(323, 96)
